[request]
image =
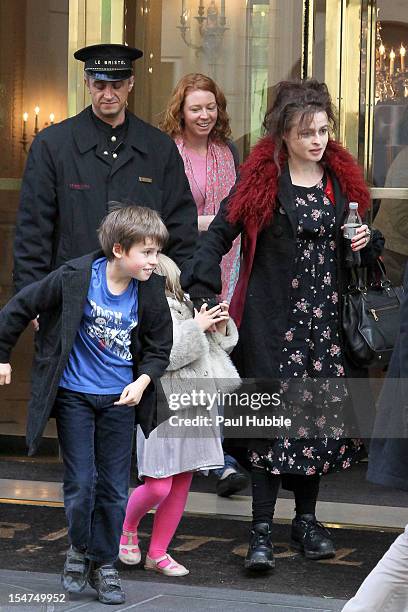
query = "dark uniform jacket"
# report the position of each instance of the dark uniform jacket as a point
(59, 298)
(69, 179)
(388, 459)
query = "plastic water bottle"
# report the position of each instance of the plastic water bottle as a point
(353, 222)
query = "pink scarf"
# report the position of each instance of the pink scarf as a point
(221, 177)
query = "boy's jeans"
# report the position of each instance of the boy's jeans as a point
(96, 443)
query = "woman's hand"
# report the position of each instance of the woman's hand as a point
(361, 238)
(132, 394)
(208, 319)
(5, 373)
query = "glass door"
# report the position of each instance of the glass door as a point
(245, 45)
(40, 84)
(389, 152)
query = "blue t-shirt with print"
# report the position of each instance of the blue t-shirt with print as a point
(100, 361)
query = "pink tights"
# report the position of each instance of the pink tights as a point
(170, 496)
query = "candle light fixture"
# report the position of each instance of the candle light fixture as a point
(391, 74)
(381, 51)
(37, 111)
(392, 61)
(211, 19)
(402, 57)
(24, 139)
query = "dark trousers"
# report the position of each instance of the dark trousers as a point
(96, 442)
(265, 487)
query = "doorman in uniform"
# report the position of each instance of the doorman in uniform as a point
(74, 168)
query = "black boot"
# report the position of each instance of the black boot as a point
(260, 552)
(311, 537)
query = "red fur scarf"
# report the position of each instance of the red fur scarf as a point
(254, 199)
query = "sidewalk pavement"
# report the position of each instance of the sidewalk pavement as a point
(149, 597)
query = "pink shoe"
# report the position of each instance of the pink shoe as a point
(166, 565)
(129, 553)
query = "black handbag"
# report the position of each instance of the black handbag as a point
(370, 318)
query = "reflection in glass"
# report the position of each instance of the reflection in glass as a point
(390, 138)
(260, 44)
(391, 87)
(392, 220)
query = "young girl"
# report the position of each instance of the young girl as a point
(168, 458)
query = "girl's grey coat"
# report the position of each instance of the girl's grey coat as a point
(198, 361)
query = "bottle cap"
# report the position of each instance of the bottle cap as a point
(353, 206)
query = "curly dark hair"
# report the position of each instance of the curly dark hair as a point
(296, 102)
(173, 122)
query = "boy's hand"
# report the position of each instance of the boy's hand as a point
(222, 325)
(207, 319)
(132, 394)
(5, 373)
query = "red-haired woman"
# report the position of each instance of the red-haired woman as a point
(196, 118)
(290, 204)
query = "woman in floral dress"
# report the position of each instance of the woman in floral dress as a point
(289, 206)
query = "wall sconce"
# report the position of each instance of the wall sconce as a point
(24, 139)
(211, 26)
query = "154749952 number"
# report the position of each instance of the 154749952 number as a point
(27, 598)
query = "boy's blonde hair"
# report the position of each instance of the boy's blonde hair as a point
(128, 225)
(169, 269)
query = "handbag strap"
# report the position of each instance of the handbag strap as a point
(359, 279)
(384, 277)
(385, 282)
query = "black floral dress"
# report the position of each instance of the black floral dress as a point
(312, 374)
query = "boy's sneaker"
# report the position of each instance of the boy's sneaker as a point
(106, 582)
(231, 482)
(76, 569)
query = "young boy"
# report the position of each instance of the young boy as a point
(104, 338)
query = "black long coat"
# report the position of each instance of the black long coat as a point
(59, 298)
(265, 316)
(388, 459)
(68, 182)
